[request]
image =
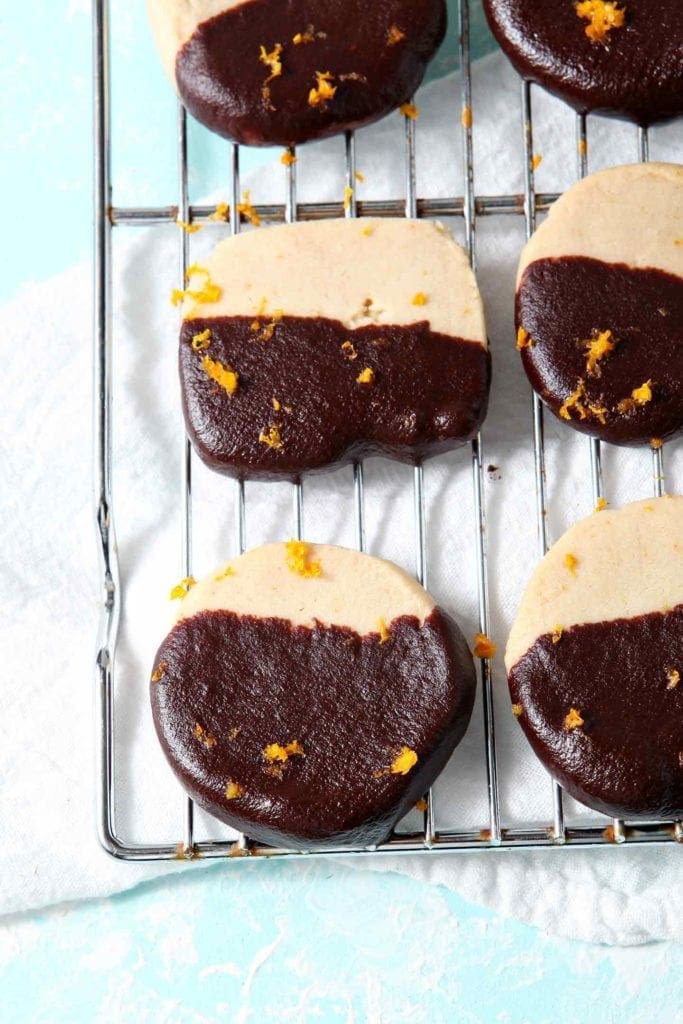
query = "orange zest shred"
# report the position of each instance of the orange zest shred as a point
(524, 339)
(299, 560)
(269, 329)
(203, 736)
(673, 678)
(191, 229)
(274, 64)
(246, 210)
(582, 147)
(288, 158)
(410, 110)
(421, 805)
(517, 710)
(601, 504)
(348, 196)
(308, 36)
(349, 350)
(484, 647)
(160, 671)
(200, 342)
(359, 176)
(233, 791)
(271, 437)
(384, 632)
(208, 292)
(536, 161)
(419, 299)
(182, 589)
(598, 348)
(323, 91)
(221, 213)
(571, 562)
(404, 761)
(602, 17)
(573, 719)
(276, 404)
(367, 230)
(639, 396)
(557, 632)
(395, 35)
(276, 753)
(224, 376)
(575, 402)
(466, 117)
(228, 571)
(366, 376)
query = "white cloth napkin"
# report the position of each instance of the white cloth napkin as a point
(50, 587)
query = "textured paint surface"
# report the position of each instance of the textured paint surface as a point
(310, 942)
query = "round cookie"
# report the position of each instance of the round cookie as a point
(375, 345)
(309, 695)
(622, 59)
(599, 305)
(595, 660)
(265, 72)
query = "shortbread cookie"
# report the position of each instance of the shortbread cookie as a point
(266, 72)
(599, 305)
(606, 56)
(595, 660)
(309, 345)
(309, 695)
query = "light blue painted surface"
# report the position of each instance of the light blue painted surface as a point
(266, 942)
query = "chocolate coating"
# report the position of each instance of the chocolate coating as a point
(635, 72)
(349, 701)
(627, 758)
(429, 394)
(220, 77)
(562, 303)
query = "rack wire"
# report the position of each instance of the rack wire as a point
(495, 833)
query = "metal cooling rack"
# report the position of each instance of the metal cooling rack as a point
(494, 833)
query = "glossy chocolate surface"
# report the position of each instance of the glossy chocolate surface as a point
(627, 758)
(351, 703)
(221, 78)
(562, 303)
(429, 394)
(635, 72)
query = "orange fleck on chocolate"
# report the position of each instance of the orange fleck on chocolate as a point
(598, 348)
(323, 91)
(575, 402)
(366, 376)
(410, 110)
(160, 671)
(203, 736)
(349, 350)
(571, 562)
(200, 342)
(384, 632)
(181, 589)
(673, 678)
(602, 17)
(224, 376)
(233, 791)
(271, 437)
(276, 753)
(234, 732)
(299, 559)
(277, 405)
(403, 762)
(573, 719)
(484, 647)
(395, 35)
(517, 710)
(557, 632)
(524, 339)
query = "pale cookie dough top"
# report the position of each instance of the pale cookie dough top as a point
(631, 214)
(353, 589)
(614, 564)
(174, 21)
(411, 271)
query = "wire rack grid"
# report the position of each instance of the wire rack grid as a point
(495, 834)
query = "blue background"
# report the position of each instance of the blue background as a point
(268, 941)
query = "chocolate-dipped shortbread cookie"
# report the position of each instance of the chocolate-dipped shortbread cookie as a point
(266, 72)
(309, 695)
(595, 660)
(599, 307)
(623, 59)
(309, 345)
